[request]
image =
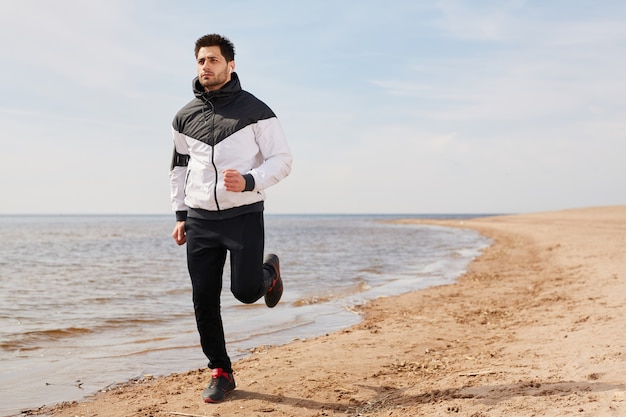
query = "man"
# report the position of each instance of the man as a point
(228, 147)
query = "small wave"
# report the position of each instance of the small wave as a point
(33, 340)
(311, 300)
(178, 291)
(125, 322)
(150, 350)
(373, 269)
(358, 288)
(58, 333)
(16, 347)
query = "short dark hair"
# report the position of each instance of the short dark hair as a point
(226, 46)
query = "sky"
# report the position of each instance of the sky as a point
(396, 106)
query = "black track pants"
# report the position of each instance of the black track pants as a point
(207, 243)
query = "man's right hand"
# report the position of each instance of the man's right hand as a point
(179, 233)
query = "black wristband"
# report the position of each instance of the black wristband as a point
(250, 183)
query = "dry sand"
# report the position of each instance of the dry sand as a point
(537, 327)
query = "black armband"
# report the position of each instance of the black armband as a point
(179, 160)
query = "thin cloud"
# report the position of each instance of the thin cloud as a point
(443, 107)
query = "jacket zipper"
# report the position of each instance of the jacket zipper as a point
(212, 144)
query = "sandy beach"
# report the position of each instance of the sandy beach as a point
(536, 327)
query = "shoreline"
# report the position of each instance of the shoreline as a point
(534, 325)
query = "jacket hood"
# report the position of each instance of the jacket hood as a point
(231, 87)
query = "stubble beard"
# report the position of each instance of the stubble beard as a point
(215, 82)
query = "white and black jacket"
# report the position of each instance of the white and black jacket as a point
(225, 129)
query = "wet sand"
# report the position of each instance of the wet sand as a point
(535, 328)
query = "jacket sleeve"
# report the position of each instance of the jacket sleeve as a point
(178, 174)
(276, 154)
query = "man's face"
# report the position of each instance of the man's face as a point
(213, 70)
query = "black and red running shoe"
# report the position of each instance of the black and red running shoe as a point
(221, 384)
(275, 291)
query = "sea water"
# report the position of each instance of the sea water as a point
(90, 301)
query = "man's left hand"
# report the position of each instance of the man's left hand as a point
(234, 181)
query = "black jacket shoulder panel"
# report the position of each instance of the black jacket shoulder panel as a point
(212, 117)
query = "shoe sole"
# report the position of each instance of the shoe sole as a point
(273, 297)
(212, 401)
